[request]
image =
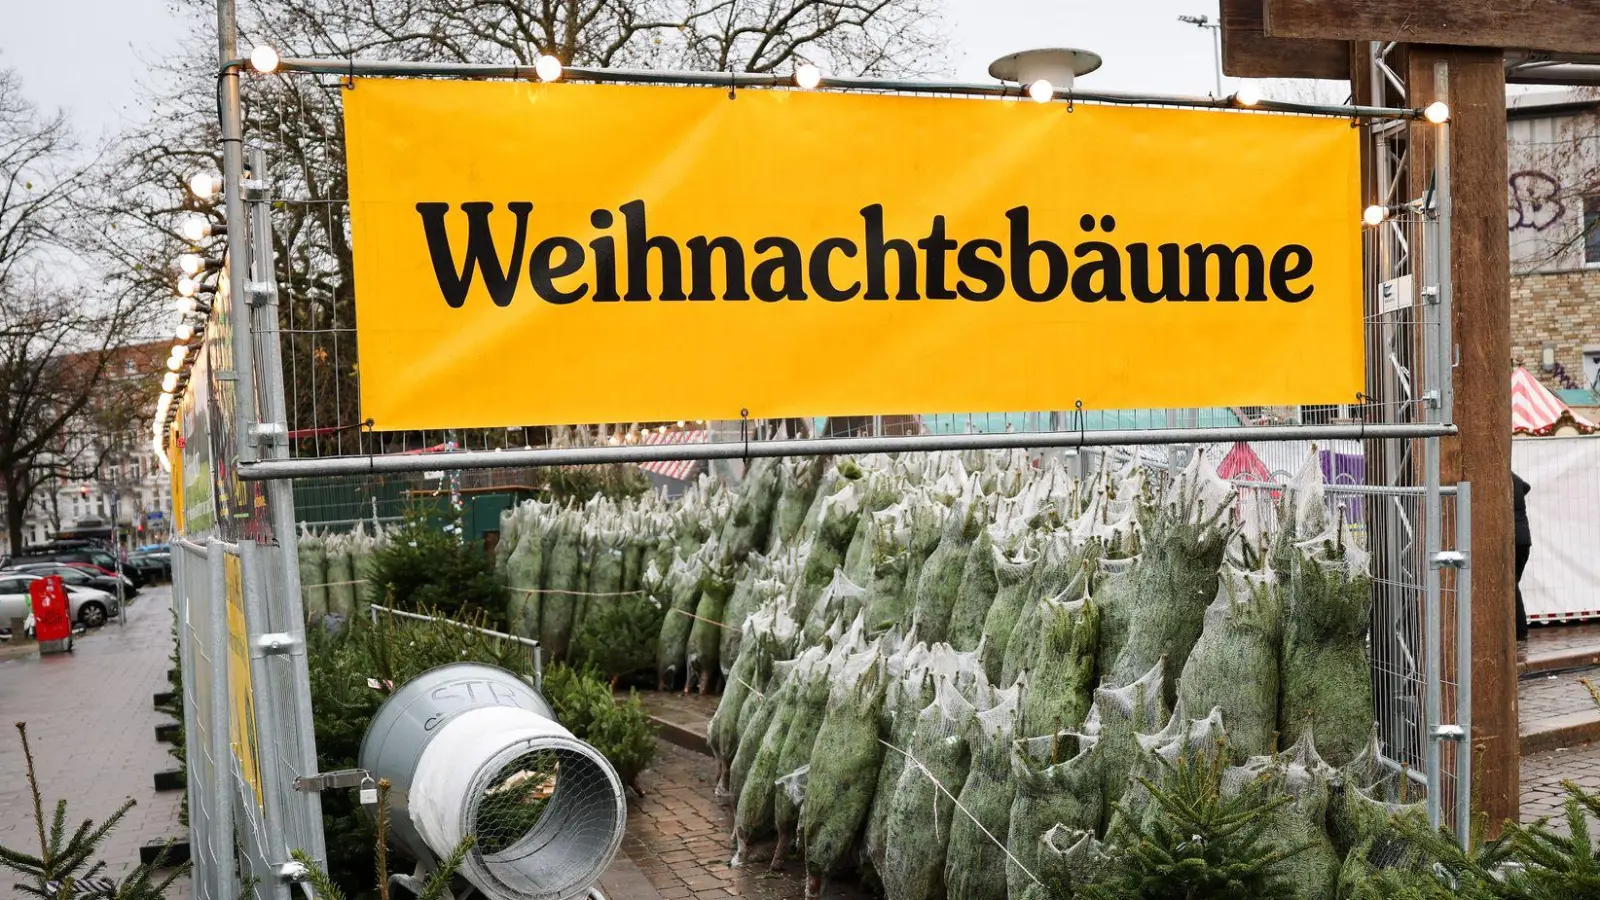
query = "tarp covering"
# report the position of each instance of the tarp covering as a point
(1563, 476)
(1535, 410)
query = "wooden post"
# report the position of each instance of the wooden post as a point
(1481, 455)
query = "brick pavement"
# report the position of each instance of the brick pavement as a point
(1554, 695)
(1563, 638)
(678, 836)
(1542, 777)
(91, 723)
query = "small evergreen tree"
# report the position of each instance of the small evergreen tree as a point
(65, 867)
(1199, 844)
(423, 569)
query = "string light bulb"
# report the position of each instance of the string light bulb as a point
(1437, 112)
(1374, 215)
(169, 382)
(204, 185)
(187, 305)
(548, 68)
(1041, 91)
(807, 77)
(1247, 95)
(184, 331)
(195, 229)
(188, 287)
(264, 59)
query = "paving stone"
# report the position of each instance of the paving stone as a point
(92, 728)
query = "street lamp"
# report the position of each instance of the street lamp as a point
(1216, 29)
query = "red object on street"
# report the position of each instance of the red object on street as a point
(52, 619)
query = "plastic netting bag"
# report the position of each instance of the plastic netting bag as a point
(810, 702)
(683, 586)
(844, 767)
(507, 539)
(363, 564)
(563, 571)
(1299, 781)
(975, 594)
(884, 605)
(722, 733)
(753, 592)
(341, 577)
(940, 578)
(1013, 568)
(925, 519)
(1185, 541)
(1194, 739)
(312, 562)
(1235, 663)
(1327, 677)
(840, 513)
(798, 482)
(919, 818)
(903, 702)
(750, 518)
(1114, 585)
(975, 863)
(1057, 786)
(755, 783)
(755, 717)
(706, 630)
(1060, 674)
(840, 602)
(1117, 716)
(1068, 858)
(1367, 796)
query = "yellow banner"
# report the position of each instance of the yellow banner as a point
(242, 732)
(536, 254)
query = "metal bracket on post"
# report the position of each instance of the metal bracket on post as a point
(270, 434)
(1433, 398)
(277, 644)
(1430, 294)
(1449, 733)
(258, 292)
(322, 781)
(1451, 559)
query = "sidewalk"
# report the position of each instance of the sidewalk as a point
(91, 723)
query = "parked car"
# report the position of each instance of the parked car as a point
(73, 554)
(84, 575)
(88, 606)
(154, 565)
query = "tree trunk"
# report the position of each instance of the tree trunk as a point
(16, 512)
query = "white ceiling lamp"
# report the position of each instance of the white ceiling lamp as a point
(1042, 74)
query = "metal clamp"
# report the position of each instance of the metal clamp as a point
(277, 643)
(1432, 398)
(1451, 559)
(255, 188)
(344, 778)
(1430, 294)
(260, 292)
(269, 434)
(1454, 733)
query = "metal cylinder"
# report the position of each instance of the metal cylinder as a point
(471, 749)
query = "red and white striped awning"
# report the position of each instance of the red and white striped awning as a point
(1536, 410)
(676, 469)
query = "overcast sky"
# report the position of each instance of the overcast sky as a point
(1144, 45)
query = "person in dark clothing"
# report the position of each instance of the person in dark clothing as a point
(1519, 505)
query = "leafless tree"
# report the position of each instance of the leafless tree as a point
(61, 321)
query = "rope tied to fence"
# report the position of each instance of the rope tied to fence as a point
(702, 619)
(912, 760)
(552, 591)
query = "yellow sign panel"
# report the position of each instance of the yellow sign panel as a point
(549, 253)
(241, 690)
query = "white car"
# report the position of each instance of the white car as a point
(89, 606)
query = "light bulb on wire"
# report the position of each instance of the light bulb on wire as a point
(188, 287)
(548, 68)
(169, 382)
(1374, 215)
(1041, 91)
(204, 185)
(1247, 95)
(807, 77)
(191, 264)
(1437, 112)
(264, 59)
(184, 332)
(195, 229)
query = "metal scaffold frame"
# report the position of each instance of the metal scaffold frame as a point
(1422, 620)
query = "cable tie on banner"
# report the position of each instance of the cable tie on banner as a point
(744, 432)
(733, 84)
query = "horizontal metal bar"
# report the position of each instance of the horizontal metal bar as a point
(267, 470)
(376, 68)
(189, 546)
(1372, 490)
(1414, 774)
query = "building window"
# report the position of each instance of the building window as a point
(1591, 229)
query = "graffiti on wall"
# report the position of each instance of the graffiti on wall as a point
(1536, 201)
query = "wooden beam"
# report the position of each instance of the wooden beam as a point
(1556, 25)
(1248, 53)
(1481, 455)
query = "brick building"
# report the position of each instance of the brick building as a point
(1553, 204)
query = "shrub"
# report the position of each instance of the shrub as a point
(422, 568)
(584, 703)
